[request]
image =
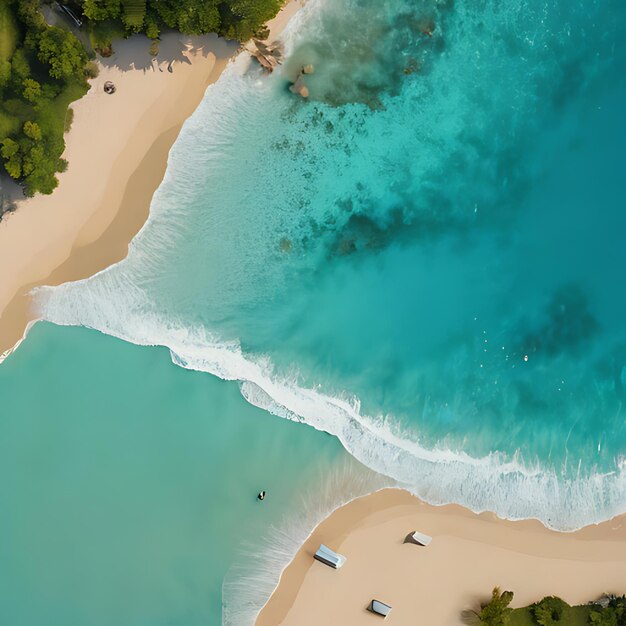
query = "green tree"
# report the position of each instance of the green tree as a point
(234, 18)
(20, 68)
(191, 17)
(33, 105)
(603, 617)
(32, 90)
(29, 13)
(32, 130)
(496, 612)
(256, 11)
(5, 73)
(13, 168)
(243, 18)
(133, 15)
(42, 179)
(33, 159)
(152, 27)
(10, 151)
(99, 10)
(551, 611)
(62, 52)
(9, 148)
(91, 70)
(612, 615)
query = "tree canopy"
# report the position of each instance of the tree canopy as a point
(612, 615)
(188, 16)
(551, 611)
(43, 67)
(62, 52)
(235, 19)
(40, 74)
(496, 612)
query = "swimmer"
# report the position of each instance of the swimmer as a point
(261, 495)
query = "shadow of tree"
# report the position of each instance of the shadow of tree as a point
(134, 53)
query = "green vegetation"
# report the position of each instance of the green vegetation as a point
(62, 53)
(551, 611)
(577, 616)
(496, 612)
(233, 19)
(9, 35)
(8, 41)
(41, 72)
(102, 34)
(44, 68)
(613, 615)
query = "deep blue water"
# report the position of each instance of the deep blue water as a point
(426, 259)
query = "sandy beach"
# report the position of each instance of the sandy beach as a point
(117, 152)
(469, 555)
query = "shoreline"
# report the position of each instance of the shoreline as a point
(117, 151)
(470, 554)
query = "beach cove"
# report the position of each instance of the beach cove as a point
(411, 278)
(117, 149)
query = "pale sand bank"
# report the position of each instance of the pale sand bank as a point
(469, 555)
(117, 151)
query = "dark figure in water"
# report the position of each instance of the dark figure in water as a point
(261, 495)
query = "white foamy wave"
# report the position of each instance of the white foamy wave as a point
(236, 85)
(255, 575)
(506, 486)
(118, 301)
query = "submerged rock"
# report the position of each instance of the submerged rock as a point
(299, 88)
(286, 245)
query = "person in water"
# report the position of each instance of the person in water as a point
(261, 495)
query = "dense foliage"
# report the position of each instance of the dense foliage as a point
(43, 68)
(496, 612)
(551, 611)
(234, 19)
(41, 72)
(612, 615)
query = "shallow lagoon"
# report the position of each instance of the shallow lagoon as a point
(128, 485)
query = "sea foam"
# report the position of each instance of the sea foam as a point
(250, 217)
(438, 476)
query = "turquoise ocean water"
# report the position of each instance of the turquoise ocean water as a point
(426, 259)
(128, 485)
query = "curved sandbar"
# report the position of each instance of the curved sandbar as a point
(468, 556)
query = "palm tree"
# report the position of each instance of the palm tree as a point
(496, 612)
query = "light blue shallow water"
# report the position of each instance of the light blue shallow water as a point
(128, 485)
(426, 259)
